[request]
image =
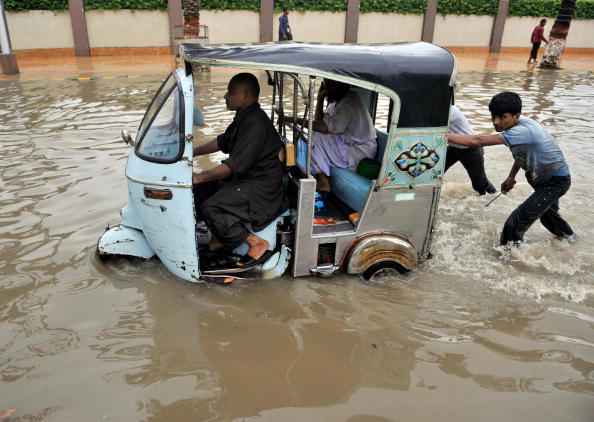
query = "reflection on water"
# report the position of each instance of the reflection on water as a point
(470, 335)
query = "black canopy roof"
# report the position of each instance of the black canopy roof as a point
(420, 73)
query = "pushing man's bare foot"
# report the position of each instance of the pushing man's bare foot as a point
(258, 248)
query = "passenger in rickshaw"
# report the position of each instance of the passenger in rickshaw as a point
(247, 187)
(343, 135)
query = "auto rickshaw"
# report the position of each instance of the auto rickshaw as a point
(382, 222)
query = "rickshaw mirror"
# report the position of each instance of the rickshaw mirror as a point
(127, 137)
(198, 117)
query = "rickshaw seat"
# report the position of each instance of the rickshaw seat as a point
(349, 186)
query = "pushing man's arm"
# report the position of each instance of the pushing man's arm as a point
(509, 183)
(482, 141)
(475, 140)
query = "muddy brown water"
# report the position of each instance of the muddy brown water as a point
(473, 334)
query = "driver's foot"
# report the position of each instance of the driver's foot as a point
(258, 247)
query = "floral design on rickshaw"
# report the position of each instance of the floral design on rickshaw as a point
(416, 160)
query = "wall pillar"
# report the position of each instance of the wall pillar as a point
(429, 21)
(8, 61)
(79, 28)
(266, 15)
(352, 21)
(498, 26)
(176, 22)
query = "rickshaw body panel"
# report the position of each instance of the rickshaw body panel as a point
(167, 223)
(405, 197)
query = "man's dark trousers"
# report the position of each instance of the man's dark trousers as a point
(534, 52)
(473, 161)
(543, 204)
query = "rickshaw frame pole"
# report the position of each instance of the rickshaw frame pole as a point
(295, 96)
(281, 112)
(273, 97)
(312, 86)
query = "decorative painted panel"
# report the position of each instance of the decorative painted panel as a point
(415, 157)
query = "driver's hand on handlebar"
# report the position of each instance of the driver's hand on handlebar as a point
(507, 185)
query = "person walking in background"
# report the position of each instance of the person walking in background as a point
(284, 30)
(536, 38)
(471, 158)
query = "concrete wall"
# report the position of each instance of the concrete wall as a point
(125, 28)
(39, 29)
(461, 30)
(389, 27)
(231, 26)
(517, 32)
(314, 26)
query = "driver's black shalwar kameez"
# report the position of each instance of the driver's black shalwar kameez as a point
(253, 193)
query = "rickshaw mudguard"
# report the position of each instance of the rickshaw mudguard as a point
(123, 240)
(378, 247)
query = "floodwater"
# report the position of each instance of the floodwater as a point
(473, 334)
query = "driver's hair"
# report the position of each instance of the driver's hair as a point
(248, 81)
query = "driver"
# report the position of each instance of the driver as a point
(247, 187)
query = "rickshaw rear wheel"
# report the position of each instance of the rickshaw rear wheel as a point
(383, 267)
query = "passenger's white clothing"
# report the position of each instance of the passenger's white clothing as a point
(459, 125)
(349, 124)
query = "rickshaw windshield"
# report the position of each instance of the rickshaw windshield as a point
(160, 133)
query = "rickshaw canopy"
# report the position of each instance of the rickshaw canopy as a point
(421, 74)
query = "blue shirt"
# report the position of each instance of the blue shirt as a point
(283, 22)
(535, 150)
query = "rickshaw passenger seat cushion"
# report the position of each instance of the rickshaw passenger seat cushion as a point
(350, 187)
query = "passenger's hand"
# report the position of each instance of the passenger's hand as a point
(507, 185)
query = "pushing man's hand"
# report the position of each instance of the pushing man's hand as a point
(507, 185)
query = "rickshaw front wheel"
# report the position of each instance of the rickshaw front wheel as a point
(383, 267)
